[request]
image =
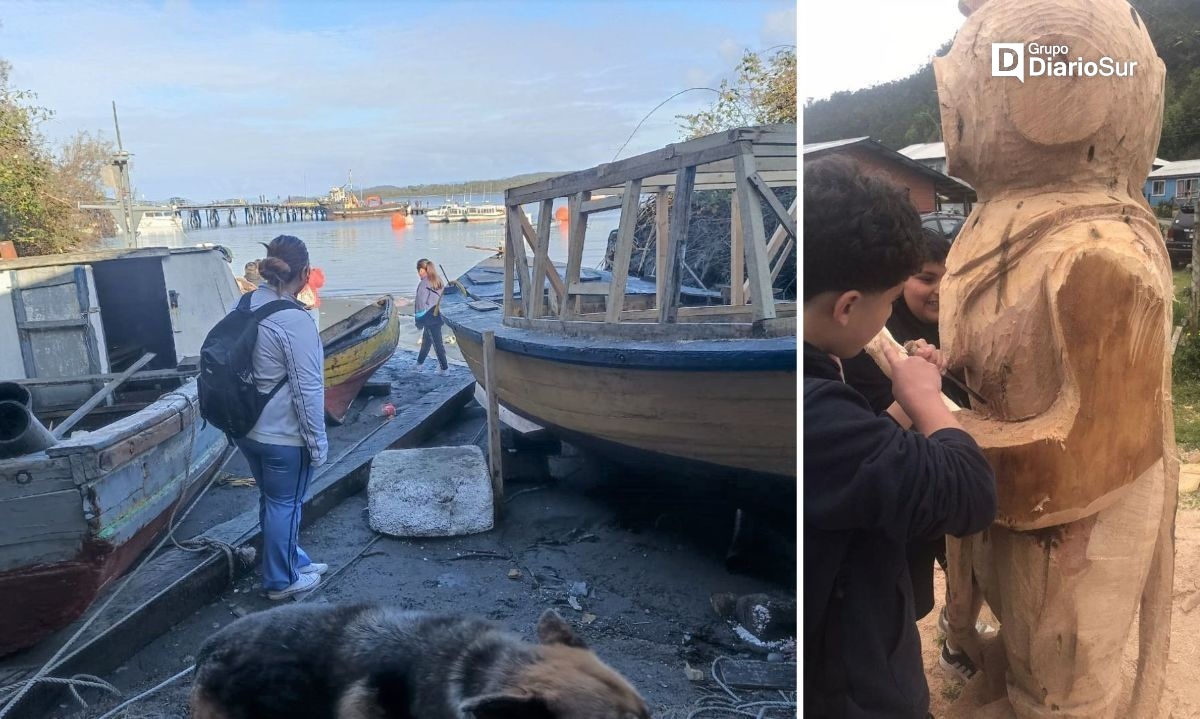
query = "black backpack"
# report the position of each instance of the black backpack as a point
(229, 398)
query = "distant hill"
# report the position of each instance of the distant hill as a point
(458, 188)
(905, 111)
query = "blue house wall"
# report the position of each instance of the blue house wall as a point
(1170, 188)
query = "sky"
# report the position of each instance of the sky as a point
(852, 46)
(220, 99)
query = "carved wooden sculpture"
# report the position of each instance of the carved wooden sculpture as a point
(1057, 305)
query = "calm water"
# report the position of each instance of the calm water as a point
(370, 257)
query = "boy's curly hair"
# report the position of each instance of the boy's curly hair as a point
(860, 233)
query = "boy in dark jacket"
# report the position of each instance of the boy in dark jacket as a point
(870, 486)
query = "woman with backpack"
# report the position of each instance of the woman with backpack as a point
(429, 315)
(288, 440)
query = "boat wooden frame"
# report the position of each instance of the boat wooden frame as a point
(749, 161)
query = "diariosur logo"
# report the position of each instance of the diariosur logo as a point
(1019, 60)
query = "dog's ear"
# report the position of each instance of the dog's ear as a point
(506, 706)
(553, 629)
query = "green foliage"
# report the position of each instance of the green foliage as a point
(764, 93)
(39, 193)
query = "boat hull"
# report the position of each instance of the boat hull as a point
(352, 358)
(126, 485)
(734, 418)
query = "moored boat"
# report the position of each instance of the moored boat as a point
(354, 348)
(106, 340)
(709, 389)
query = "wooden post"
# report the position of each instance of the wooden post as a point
(685, 180)
(531, 237)
(750, 212)
(662, 224)
(495, 459)
(576, 232)
(737, 259)
(509, 274)
(623, 251)
(516, 248)
(777, 249)
(542, 266)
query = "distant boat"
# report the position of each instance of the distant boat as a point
(160, 221)
(454, 212)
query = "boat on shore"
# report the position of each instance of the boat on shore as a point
(105, 350)
(640, 376)
(354, 349)
(160, 221)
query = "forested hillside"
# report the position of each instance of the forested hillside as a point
(905, 111)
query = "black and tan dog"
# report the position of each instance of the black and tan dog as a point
(371, 662)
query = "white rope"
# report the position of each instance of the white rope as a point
(733, 705)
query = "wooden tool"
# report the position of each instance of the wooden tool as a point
(911, 348)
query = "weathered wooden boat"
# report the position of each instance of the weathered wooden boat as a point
(75, 514)
(354, 348)
(710, 389)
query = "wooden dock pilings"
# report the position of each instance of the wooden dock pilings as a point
(196, 216)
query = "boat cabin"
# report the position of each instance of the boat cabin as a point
(74, 321)
(746, 164)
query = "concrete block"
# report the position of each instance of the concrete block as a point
(430, 492)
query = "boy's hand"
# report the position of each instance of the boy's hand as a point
(917, 387)
(928, 352)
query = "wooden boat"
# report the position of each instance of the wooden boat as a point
(354, 348)
(709, 389)
(76, 514)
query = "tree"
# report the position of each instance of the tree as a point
(39, 193)
(764, 93)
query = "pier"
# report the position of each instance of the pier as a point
(231, 214)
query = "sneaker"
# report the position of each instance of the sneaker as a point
(443, 371)
(419, 367)
(314, 568)
(957, 665)
(305, 583)
(985, 630)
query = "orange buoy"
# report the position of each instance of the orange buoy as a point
(561, 214)
(398, 220)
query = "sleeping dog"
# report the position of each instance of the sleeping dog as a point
(370, 662)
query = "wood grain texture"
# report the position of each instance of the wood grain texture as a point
(1057, 305)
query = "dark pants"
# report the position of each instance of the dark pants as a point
(432, 335)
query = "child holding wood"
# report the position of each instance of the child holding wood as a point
(870, 486)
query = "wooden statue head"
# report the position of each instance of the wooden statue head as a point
(1064, 132)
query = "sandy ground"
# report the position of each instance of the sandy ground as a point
(649, 548)
(1182, 696)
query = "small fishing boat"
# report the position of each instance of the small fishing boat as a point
(104, 347)
(631, 371)
(160, 221)
(354, 348)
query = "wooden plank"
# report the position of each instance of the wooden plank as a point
(531, 238)
(516, 250)
(510, 419)
(130, 447)
(672, 158)
(590, 288)
(61, 430)
(603, 204)
(541, 253)
(81, 258)
(779, 264)
(545, 216)
(662, 223)
(650, 331)
(757, 674)
(681, 210)
(623, 251)
(778, 238)
(509, 276)
(576, 232)
(737, 259)
(698, 314)
(785, 219)
(52, 324)
(750, 212)
(493, 422)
